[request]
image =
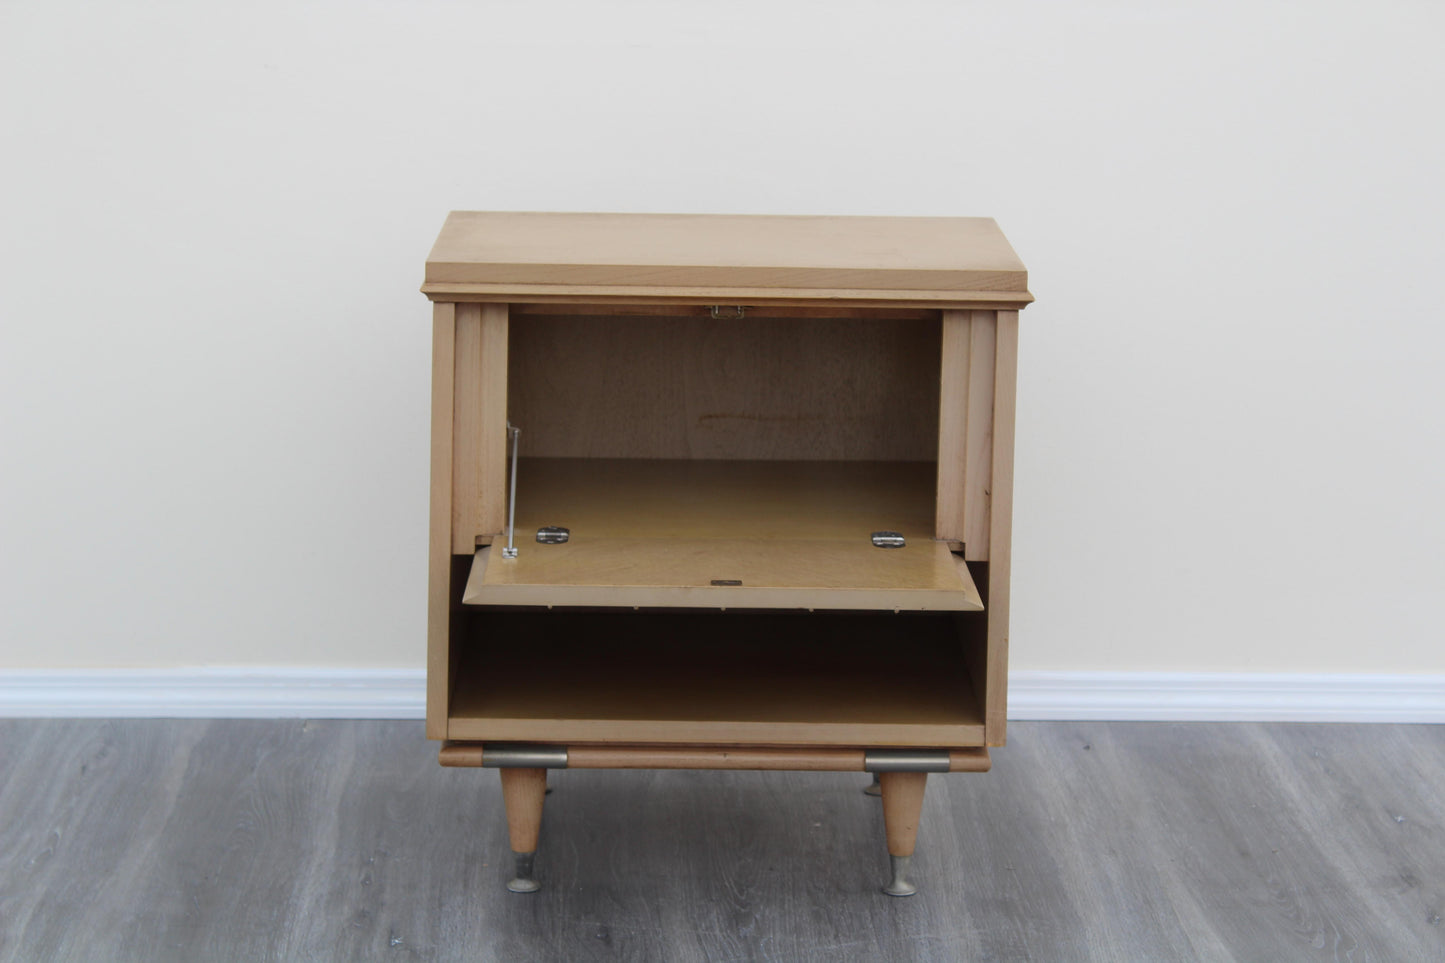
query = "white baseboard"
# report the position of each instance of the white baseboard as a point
(219, 693)
(277, 693)
(1226, 697)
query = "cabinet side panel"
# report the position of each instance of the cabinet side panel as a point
(978, 470)
(492, 430)
(1001, 522)
(457, 633)
(953, 426)
(973, 636)
(480, 430)
(439, 568)
(466, 442)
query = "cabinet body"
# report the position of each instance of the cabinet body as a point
(732, 417)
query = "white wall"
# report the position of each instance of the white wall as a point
(214, 360)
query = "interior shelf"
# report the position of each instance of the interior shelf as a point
(725, 534)
(700, 678)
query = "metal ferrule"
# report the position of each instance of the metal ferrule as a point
(514, 756)
(904, 760)
(899, 884)
(523, 882)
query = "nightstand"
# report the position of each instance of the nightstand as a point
(720, 492)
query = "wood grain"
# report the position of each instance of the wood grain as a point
(975, 759)
(663, 252)
(479, 489)
(523, 792)
(492, 489)
(199, 840)
(978, 472)
(727, 573)
(972, 631)
(613, 756)
(902, 806)
(674, 387)
(623, 295)
(664, 533)
(953, 425)
(467, 429)
(1001, 522)
(439, 566)
(656, 498)
(965, 435)
(826, 312)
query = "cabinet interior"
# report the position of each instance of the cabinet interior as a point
(726, 462)
(760, 388)
(755, 678)
(721, 479)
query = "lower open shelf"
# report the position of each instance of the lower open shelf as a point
(786, 679)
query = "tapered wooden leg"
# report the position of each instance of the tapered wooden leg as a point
(902, 805)
(523, 791)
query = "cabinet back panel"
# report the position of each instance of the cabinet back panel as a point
(678, 387)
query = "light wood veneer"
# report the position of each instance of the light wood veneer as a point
(722, 410)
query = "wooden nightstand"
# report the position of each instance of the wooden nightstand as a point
(762, 505)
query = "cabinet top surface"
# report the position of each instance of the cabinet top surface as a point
(707, 255)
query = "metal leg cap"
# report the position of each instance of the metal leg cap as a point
(523, 881)
(899, 886)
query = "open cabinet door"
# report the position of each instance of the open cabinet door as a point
(736, 534)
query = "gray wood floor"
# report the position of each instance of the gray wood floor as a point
(279, 840)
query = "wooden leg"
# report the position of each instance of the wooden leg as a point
(523, 791)
(902, 806)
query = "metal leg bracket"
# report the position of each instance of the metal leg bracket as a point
(519, 756)
(906, 760)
